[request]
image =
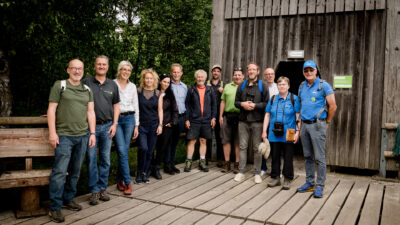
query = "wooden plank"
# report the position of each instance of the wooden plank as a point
(320, 6)
(129, 214)
(311, 6)
(302, 7)
(217, 31)
(235, 202)
(25, 148)
(249, 222)
(244, 7)
(271, 206)
(359, 5)
(349, 5)
(307, 213)
(169, 217)
(390, 126)
(330, 6)
(231, 221)
(329, 211)
(211, 219)
(339, 7)
(28, 163)
(149, 215)
(23, 178)
(372, 205)
(190, 218)
(284, 8)
(268, 7)
(391, 206)
(276, 6)
(22, 120)
(27, 133)
(380, 4)
(188, 195)
(293, 7)
(260, 8)
(228, 10)
(369, 4)
(236, 9)
(252, 9)
(349, 212)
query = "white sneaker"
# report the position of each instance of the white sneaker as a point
(262, 173)
(257, 179)
(239, 177)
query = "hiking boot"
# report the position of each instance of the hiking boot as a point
(174, 169)
(306, 187)
(56, 216)
(286, 184)
(236, 168)
(120, 186)
(168, 169)
(156, 173)
(220, 164)
(138, 178)
(227, 167)
(318, 192)
(239, 177)
(128, 189)
(145, 178)
(257, 179)
(274, 182)
(94, 199)
(104, 196)
(188, 165)
(73, 206)
(203, 166)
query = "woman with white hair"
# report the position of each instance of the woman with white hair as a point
(128, 123)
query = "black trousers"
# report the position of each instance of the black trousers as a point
(276, 149)
(162, 146)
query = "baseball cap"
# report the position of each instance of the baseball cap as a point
(309, 63)
(216, 66)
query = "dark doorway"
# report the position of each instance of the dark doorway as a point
(292, 70)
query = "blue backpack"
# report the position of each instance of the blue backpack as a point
(260, 87)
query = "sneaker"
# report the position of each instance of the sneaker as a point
(120, 186)
(306, 187)
(262, 173)
(145, 178)
(73, 206)
(239, 177)
(94, 199)
(128, 189)
(236, 168)
(286, 184)
(188, 165)
(274, 182)
(138, 178)
(257, 179)
(227, 167)
(318, 192)
(220, 164)
(104, 196)
(202, 165)
(174, 169)
(56, 216)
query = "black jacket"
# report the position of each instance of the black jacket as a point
(193, 107)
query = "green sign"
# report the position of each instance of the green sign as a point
(342, 81)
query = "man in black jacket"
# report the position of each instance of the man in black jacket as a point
(251, 98)
(201, 112)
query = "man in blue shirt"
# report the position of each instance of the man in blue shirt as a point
(318, 106)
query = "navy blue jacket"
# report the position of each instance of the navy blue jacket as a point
(193, 108)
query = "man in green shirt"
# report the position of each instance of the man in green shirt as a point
(228, 120)
(70, 118)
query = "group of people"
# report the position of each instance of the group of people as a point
(86, 115)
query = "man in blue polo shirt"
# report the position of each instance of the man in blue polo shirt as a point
(318, 106)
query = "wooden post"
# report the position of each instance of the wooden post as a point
(30, 203)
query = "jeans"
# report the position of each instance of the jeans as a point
(147, 143)
(99, 180)
(287, 149)
(177, 130)
(69, 155)
(313, 140)
(249, 130)
(125, 128)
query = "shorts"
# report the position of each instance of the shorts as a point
(197, 130)
(228, 132)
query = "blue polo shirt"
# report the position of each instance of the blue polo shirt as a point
(312, 99)
(282, 111)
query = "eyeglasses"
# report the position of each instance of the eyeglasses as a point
(76, 69)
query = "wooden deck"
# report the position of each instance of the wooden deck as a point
(215, 198)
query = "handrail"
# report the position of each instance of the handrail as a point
(22, 120)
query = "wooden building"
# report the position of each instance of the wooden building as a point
(360, 38)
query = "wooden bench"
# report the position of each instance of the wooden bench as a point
(388, 161)
(28, 143)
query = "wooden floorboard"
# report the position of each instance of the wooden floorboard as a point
(231, 221)
(169, 217)
(190, 218)
(391, 205)
(149, 215)
(372, 205)
(210, 219)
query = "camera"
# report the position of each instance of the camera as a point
(278, 129)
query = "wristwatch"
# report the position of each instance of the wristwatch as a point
(92, 133)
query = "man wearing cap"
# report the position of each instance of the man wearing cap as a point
(251, 98)
(269, 77)
(218, 86)
(318, 106)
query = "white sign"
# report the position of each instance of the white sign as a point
(296, 54)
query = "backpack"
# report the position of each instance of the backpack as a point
(260, 87)
(291, 99)
(222, 83)
(64, 86)
(321, 82)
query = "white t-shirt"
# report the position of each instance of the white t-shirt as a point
(129, 100)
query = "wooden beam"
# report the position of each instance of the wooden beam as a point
(260, 8)
(268, 7)
(293, 7)
(252, 8)
(276, 6)
(217, 32)
(380, 4)
(349, 5)
(285, 8)
(22, 120)
(302, 7)
(369, 4)
(23, 178)
(330, 6)
(359, 5)
(321, 6)
(244, 7)
(28, 163)
(390, 126)
(228, 8)
(235, 8)
(339, 7)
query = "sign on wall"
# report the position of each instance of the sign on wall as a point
(343, 81)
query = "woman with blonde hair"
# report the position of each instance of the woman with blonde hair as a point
(151, 121)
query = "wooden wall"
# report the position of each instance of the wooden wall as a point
(341, 43)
